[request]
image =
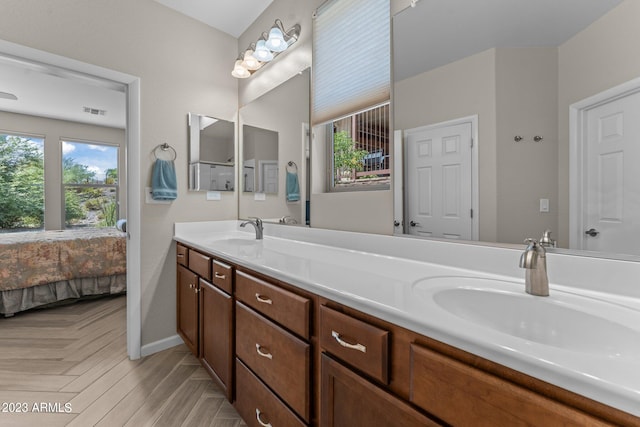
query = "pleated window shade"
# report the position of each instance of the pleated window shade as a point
(351, 57)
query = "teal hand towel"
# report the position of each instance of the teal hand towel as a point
(164, 185)
(293, 188)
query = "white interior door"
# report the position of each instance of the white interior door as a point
(611, 206)
(439, 181)
(268, 176)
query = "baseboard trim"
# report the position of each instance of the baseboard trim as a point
(160, 345)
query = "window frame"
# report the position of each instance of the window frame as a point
(330, 183)
(64, 186)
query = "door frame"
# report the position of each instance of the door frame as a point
(475, 187)
(578, 155)
(133, 161)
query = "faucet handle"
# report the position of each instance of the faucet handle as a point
(546, 240)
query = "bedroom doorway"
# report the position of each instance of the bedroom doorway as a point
(59, 66)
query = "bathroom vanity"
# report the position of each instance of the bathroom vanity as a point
(301, 333)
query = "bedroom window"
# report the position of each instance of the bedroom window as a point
(21, 182)
(90, 184)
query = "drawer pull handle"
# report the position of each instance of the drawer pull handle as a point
(263, 354)
(263, 300)
(220, 276)
(343, 343)
(180, 255)
(258, 414)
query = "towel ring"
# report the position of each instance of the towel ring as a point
(292, 164)
(164, 147)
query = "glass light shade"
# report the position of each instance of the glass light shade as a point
(262, 53)
(250, 62)
(239, 72)
(276, 41)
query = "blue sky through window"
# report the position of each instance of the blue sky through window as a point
(97, 157)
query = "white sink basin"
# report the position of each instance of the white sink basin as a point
(562, 320)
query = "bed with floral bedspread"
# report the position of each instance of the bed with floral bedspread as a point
(43, 267)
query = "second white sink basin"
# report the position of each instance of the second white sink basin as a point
(562, 320)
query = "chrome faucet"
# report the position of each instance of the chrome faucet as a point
(534, 260)
(257, 224)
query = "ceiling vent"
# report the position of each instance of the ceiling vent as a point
(95, 111)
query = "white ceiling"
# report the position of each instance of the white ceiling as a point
(437, 32)
(232, 17)
(47, 91)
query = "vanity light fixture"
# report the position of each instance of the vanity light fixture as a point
(265, 49)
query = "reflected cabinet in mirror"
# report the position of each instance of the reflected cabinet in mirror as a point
(273, 149)
(211, 153)
(526, 120)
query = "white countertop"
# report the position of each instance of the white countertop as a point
(396, 289)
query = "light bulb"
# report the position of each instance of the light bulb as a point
(240, 72)
(262, 53)
(276, 41)
(250, 62)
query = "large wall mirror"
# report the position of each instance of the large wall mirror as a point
(485, 113)
(211, 153)
(274, 153)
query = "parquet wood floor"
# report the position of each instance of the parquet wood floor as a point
(68, 366)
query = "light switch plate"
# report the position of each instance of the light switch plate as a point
(214, 195)
(544, 205)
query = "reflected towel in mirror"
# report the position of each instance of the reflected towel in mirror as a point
(164, 184)
(293, 188)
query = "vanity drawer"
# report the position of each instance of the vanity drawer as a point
(257, 405)
(360, 344)
(223, 276)
(277, 357)
(280, 305)
(462, 395)
(200, 264)
(182, 255)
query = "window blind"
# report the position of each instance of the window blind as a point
(351, 57)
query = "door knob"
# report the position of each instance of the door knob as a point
(413, 223)
(592, 232)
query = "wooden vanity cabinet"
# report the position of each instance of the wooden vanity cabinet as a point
(272, 330)
(205, 313)
(216, 335)
(287, 357)
(187, 307)
(462, 395)
(348, 399)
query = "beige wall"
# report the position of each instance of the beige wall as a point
(526, 105)
(54, 131)
(184, 66)
(460, 89)
(600, 57)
